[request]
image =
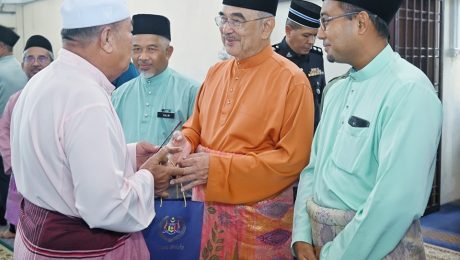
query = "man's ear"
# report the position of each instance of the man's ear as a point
(2, 49)
(268, 26)
(364, 22)
(106, 39)
(169, 51)
(288, 29)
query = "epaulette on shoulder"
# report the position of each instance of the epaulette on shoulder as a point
(316, 49)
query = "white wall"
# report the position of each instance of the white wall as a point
(195, 36)
(11, 16)
(42, 17)
(197, 43)
(450, 164)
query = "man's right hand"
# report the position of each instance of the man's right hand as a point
(157, 165)
(179, 140)
(304, 251)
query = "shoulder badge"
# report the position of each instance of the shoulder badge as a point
(315, 72)
(316, 49)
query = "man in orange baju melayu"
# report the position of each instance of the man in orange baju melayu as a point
(250, 132)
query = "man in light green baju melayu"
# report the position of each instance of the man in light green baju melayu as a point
(150, 105)
(374, 152)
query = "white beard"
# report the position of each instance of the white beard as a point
(147, 75)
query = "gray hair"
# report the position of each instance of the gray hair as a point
(293, 24)
(50, 54)
(262, 14)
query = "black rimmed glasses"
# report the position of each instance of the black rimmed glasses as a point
(236, 24)
(326, 20)
(41, 59)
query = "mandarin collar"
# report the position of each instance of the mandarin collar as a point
(375, 66)
(255, 60)
(164, 74)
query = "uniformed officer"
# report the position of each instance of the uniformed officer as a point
(301, 28)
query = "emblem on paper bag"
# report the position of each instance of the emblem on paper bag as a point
(172, 228)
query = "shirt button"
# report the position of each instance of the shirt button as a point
(148, 81)
(147, 104)
(231, 90)
(237, 78)
(146, 115)
(150, 92)
(228, 101)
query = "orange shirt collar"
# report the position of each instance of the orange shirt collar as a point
(255, 60)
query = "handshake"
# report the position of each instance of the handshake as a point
(173, 164)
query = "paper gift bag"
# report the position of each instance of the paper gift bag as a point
(175, 232)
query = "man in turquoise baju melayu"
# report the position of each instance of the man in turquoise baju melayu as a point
(374, 153)
(150, 105)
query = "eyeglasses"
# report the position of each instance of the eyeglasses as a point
(326, 20)
(41, 59)
(236, 24)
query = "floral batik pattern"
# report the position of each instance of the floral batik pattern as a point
(258, 231)
(327, 223)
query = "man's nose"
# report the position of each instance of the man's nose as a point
(226, 28)
(321, 34)
(143, 55)
(36, 63)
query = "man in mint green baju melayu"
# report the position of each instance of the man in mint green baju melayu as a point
(150, 105)
(374, 152)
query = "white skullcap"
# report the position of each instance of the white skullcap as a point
(89, 13)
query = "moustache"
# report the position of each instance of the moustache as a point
(230, 38)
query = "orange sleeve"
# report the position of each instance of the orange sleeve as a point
(192, 128)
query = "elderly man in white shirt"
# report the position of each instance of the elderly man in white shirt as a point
(86, 193)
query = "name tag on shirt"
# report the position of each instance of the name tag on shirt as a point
(166, 113)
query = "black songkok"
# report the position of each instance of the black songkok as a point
(383, 9)
(151, 24)
(8, 36)
(268, 6)
(38, 41)
(305, 13)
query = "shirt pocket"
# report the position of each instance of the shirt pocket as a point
(350, 147)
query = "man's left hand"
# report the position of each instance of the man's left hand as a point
(196, 168)
(144, 151)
